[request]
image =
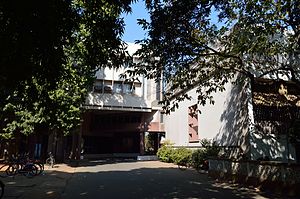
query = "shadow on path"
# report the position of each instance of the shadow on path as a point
(124, 179)
(97, 162)
(121, 181)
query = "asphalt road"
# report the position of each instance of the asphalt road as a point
(149, 179)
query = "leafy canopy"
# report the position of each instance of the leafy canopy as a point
(50, 51)
(186, 46)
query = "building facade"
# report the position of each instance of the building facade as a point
(119, 114)
(236, 120)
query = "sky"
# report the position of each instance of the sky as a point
(132, 30)
(135, 32)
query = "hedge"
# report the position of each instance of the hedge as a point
(186, 157)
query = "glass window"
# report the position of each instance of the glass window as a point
(98, 86)
(117, 88)
(127, 88)
(107, 89)
(161, 118)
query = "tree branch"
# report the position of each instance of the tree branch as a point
(225, 55)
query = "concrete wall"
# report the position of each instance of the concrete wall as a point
(276, 177)
(226, 122)
(275, 147)
(126, 100)
(176, 124)
(229, 122)
(114, 75)
(144, 93)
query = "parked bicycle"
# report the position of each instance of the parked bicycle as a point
(6, 169)
(24, 159)
(21, 164)
(28, 169)
(38, 163)
(50, 161)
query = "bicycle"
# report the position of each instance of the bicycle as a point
(28, 169)
(50, 161)
(7, 169)
(19, 165)
(38, 163)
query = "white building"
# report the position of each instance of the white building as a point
(119, 113)
(237, 121)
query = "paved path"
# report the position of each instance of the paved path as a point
(151, 179)
(48, 185)
(122, 180)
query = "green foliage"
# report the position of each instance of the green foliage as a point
(149, 143)
(198, 158)
(49, 54)
(181, 156)
(212, 151)
(184, 156)
(205, 142)
(209, 150)
(165, 153)
(188, 47)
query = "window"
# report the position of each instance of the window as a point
(161, 118)
(117, 87)
(193, 123)
(110, 86)
(98, 86)
(128, 88)
(108, 89)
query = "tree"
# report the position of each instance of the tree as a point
(189, 47)
(49, 54)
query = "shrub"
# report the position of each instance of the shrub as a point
(184, 156)
(212, 151)
(164, 153)
(198, 158)
(149, 143)
(181, 156)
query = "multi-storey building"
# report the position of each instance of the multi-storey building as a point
(253, 118)
(119, 113)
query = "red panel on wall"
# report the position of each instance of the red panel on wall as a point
(193, 123)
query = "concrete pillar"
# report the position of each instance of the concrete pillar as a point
(59, 148)
(72, 156)
(50, 147)
(142, 143)
(79, 145)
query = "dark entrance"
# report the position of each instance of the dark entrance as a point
(113, 143)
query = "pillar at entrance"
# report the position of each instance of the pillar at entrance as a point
(142, 143)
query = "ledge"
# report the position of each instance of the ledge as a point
(146, 157)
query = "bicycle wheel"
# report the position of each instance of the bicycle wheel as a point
(40, 167)
(11, 170)
(2, 189)
(3, 170)
(34, 170)
(30, 170)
